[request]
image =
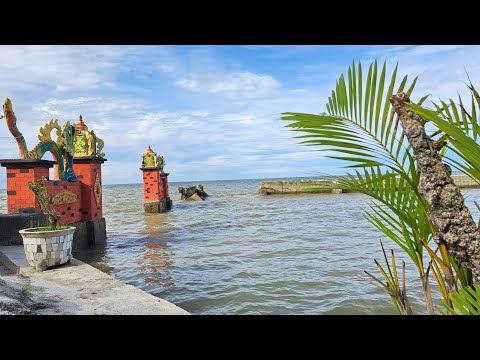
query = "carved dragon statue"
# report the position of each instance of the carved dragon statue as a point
(62, 149)
(161, 163)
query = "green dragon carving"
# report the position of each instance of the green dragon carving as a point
(62, 149)
(99, 144)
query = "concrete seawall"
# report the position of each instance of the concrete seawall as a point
(330, 186)
(77, 288)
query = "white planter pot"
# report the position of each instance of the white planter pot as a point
(47, 248)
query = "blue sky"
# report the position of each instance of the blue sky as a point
(211, 111)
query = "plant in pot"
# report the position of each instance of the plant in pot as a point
(49, 245)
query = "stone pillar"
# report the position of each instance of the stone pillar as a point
(155, 183)
(19, 173)
(89, 172)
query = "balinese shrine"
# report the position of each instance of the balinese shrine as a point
(155, 183)
(76, 187)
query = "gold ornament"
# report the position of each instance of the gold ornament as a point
(64, 197)
(97, 190)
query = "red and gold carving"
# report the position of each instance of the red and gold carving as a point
(64, 197)
(97, 190)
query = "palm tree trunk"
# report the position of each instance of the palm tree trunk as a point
(447, 207)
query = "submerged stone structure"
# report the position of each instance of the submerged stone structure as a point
(75, 190)
(155, 183)
(332, 186)
(195, 193)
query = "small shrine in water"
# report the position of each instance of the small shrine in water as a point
(155, 183)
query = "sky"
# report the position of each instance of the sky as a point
(211, 111)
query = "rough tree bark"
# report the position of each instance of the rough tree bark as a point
(447, 207)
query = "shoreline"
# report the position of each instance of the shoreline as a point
(75, 288)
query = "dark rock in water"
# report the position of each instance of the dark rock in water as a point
(195, 197)
(200, 192)
(188, 193)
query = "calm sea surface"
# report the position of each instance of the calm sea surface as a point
(242, 253)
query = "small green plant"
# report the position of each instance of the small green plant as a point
(26, 291)
(41, 194)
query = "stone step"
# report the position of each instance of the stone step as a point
(13, 258)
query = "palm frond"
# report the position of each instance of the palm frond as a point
(398, 211)
(466, 301)
(461, 130)
(397, 291)
(362, 129)
(359, 129)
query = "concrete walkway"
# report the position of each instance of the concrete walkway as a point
(78, 288)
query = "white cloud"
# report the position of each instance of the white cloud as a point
(440, 69)
(70, 102)
(49, 111)
(299, 155)
(299, 90)
(166, 68)
(214, 161)
(247, 82)
(433, 49)
(96, 111)
(244, 84)
(246, 119)
(187, 84)
(201, 114)
(225, 126)
(61, 68)
(110, 105)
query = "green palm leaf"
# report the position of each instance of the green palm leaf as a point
(396, 211)
(363, 132)
(361, 128)
(348, 126)
(466, 301)
(461, 129)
